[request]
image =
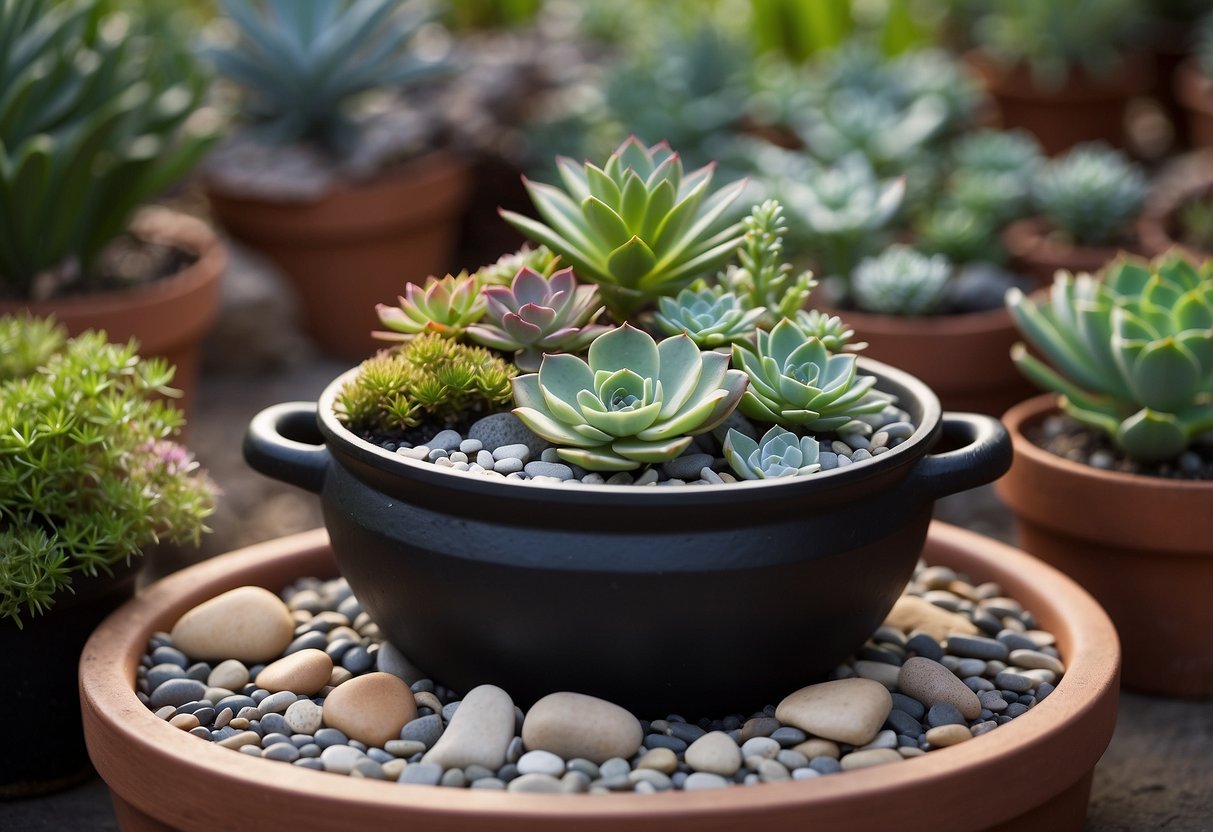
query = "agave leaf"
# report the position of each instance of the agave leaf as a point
(609, 225)
(633, 154)
(564, 215)
(697, 266)
(677, 220)
(272, 41)
(660, 202)
(1046, 378)
(586, 259)
(575, 178)
(1164, 376)
(1052, 340)
(713, 208)
(633, 201)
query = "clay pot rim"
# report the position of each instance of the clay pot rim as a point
(958, 325)
(1159, 217)
(1192, 87)
(1134, 74)
(113, 714)
(1037, 408)
(1027, 239)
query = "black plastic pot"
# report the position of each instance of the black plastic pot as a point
(702, 601)
(43, 737)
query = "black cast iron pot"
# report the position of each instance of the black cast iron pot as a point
(702, 601)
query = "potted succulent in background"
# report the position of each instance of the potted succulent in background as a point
(1117, 491)
(1088, 202)
(609, 516)
(95, 120)
(1194, 86)
(90, 478)
(351, 202)
(1180, 215)
(1063, 71)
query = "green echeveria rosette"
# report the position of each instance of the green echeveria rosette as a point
(779, 453)
(634, 401)
(536, 314)
(709, 316)
(638, 226)
(796, 381)
(1131, 354)
(447, 306)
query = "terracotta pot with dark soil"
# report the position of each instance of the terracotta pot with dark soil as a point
(1194, 90)
(1142, 545)
(161, 778)
(1083, 109)
(1035, 252)
(169, 313)
(358, 245)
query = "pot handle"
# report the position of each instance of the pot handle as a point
(979, 453)
(284, 442)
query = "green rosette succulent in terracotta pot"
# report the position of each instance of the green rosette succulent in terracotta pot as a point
(99, 116)
(91, 477)
(684, 465)
(330, 172)
(1111, 478)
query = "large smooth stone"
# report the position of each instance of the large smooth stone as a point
(479, 733)
(714, 752)
(912, 613)
(576, 725)
(247, 623)
(371, 708)
(931, 683)
(305, 671)
(844, 710)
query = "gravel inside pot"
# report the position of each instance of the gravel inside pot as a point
(1064, 436)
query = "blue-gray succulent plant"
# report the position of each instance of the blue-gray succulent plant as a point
(779, 453)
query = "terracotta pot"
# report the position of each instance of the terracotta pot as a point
(1195, 92)
(1034, 772)
(39, 663)
(965, 359)
(169, 317)
(473, 578)
(358, 245)
(1084, 109)
(1035, 254)
(1158, 227)
(1143, 546)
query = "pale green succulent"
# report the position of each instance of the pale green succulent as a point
(958, 233)
(1131, 353)
(901, 281)
(507, 266)
(779, 453)
(447, 307)
(762, 279)
(831, 330)
(637, 226)
(538, 314)
(710, 316)
(302, 63)
(998, 151)
(634, 400)
(795, 380)
(1091, 193)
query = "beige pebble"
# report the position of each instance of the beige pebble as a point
(248, 623)
(242, 739)
(1043, 638)
(910, 751)
(479, 733)
(166, 711)
(238, 722)
(931, 683)
(304, 671)
(1035, 660)
(304, 716)
(229, 674)
(371, 708)
(186, 722)
(881, 672)
(215, 694)
(817, 747)
(913, 613)
(576, 725)
(392, 769)
(425, 699)
(338, 633)
(715, 752)
(869, 757)
(339, 675)
(845, 710)
(942, 736)
(659, 759)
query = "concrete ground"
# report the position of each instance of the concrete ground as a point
(1155, 774)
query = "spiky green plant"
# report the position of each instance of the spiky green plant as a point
(90, 474)
(761, 278)
(302, 63)
(1131, 354)
(93, 123)
(779, 453)
(447, 306)
(959, 234)
(831, 330)
(537, 314)
(637, 226)
(710, 316)
(901, 281)
(430, 379)
(633, 401)
(1091, 193)
(796, 381)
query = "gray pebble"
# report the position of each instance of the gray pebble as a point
(825, 765)
(313, 763)
(340, 758)
(158, 674)
(404, 748)
(587, 767)
(992, 700)
(283, 752)
(925, 646)
(687, 466)
(485, 459)
(1017, 709)
(1006, 680)
(575, 782)
(275, 723)
(903, 723)
(516, 749)
(170, 655)
(508, 465)
(977, 647)
(447, 440)
(943, 713)
(276, 703)
(787, 736)
(471, 446)
(453, 778)
(909, 704)
(673, 743)
(535, 783)
(487, 783)
(555, 470)
(764, 747)
(448, 711)
(614, 767)
(476, 772)
(436, 454)
(357, 660)
(311, 640)
(828, 460)
(326, 737)
(368, 768)
(177, 692)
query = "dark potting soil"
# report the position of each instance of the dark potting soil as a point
(125, 263)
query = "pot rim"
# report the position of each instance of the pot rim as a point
(961, 324)
(1065, 738)
(615, 496)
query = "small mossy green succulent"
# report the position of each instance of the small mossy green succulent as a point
(796, 381)
(1131, 353)
(638, 226)
(633, 401)
(959, 234)
(779, 453)
(447, 306)
(1090, 194)
(901, 281)
(430, 379)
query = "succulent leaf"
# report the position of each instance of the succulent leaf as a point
(447, 306)
(779, 453)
